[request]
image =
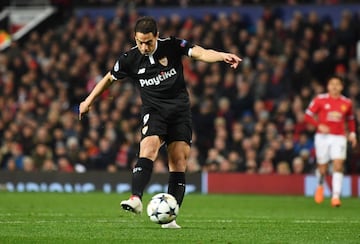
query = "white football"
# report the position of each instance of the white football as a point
(162, 208)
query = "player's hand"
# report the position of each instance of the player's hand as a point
(232, 59)
(84, 107)
(323, 129)
(352, 139)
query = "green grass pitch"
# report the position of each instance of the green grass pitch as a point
(97, 218)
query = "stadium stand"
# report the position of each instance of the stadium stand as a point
(249, 120)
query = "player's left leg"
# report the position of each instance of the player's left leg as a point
(321, 171)
(322, 147)
(178, 152)
(337, 179)
(338, 155)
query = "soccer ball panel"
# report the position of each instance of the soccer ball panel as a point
(162, 208)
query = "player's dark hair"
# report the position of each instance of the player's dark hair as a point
(146, 25)
(336, 77)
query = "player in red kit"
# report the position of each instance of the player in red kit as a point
(332, 115)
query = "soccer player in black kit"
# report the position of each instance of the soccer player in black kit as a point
(155, 65)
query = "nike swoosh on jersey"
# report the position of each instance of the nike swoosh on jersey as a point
(141, 71)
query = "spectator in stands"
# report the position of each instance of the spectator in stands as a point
(286, 153)
(49, 166)
(11, 165)
(28, 164)
(193, 164)
(283, 168)
(236, 161)
(41, 153)
(203, 122)
(17, 154)
(298, 166)
(267, 165)
(106, 155)
(64, 165)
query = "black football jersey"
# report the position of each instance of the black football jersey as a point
(159, 76)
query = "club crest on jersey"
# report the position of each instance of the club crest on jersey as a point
(163, 61)
(343, 108)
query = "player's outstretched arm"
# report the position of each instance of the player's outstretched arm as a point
(104, 83)
(210, 56)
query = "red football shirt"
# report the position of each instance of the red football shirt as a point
(333, 112)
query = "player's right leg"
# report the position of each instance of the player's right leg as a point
(141, 173)
(337, 179)
(319, 194)
(320, 175)
(322, 158)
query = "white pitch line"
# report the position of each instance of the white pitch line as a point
(64, 221)
(316, 221)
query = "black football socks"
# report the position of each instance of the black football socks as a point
(141, 176)
(177, 186)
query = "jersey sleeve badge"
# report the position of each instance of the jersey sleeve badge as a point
(183, 43)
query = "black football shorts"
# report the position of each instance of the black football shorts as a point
(175, 127)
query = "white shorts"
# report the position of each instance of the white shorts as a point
(329, 147)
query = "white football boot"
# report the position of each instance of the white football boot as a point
(134, 205)
(171, 225)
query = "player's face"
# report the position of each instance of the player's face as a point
(335, 87)
(146, 43)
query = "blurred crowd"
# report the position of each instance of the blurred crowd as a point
(192, 3)
(69, 5)
(250, 120)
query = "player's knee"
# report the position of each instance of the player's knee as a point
(149, 147)
(338, 166)
(177, 165)
(149, 152)
(322, 168)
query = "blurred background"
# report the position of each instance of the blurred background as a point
(250, 120)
